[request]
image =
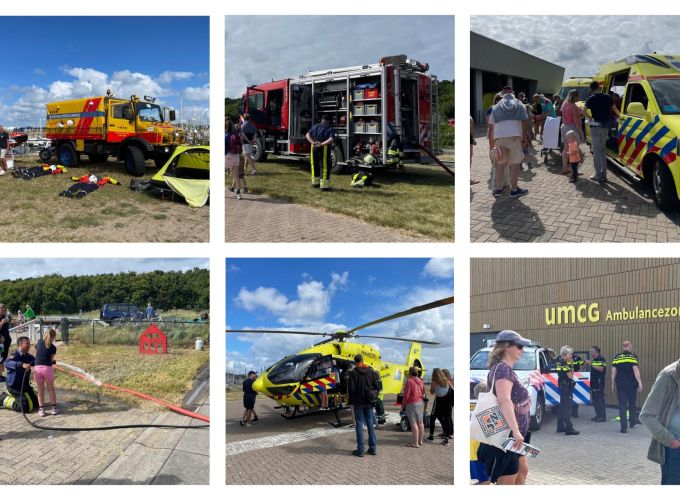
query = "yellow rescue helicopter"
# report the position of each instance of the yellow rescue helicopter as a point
(297, 381)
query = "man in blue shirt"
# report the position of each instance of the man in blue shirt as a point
(19, 366)
(321, 136)
(150, 312)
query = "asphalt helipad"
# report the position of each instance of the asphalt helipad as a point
(308, 450)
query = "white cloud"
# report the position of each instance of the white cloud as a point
(168, 77)
(39, 71)
(311, 305)
(198, 93)
(559, 39)
(267, 298)
(439, 268)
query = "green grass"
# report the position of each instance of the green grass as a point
(168, 376)
(33, 210)
(418, 200)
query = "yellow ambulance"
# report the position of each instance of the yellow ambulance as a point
(580, 83)
(644, 143)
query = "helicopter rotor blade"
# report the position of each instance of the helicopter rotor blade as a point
(394, 338)
(408, 312)
(292, 332)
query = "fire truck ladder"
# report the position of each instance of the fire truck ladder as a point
(434, 103)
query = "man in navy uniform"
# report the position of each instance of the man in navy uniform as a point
(321, 136)
(626, 383)
(598, 371)
(565, 382)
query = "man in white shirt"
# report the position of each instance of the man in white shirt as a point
(508, 133)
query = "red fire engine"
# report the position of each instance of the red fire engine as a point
(393, 99)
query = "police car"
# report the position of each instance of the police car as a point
(537, 371)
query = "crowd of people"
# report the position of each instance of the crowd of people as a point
(514, 122)
(660, 412)
(360, 387)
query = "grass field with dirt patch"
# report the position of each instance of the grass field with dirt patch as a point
(419, 199)
(165, 376)
(33, 211)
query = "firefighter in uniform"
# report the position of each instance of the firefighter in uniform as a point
(577, 364)
(565, 374)
(626, 383)
(321, 136)
(598, 371)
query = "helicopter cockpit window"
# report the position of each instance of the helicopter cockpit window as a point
(291, 369)
(321, 368)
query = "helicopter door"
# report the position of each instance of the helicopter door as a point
(322, 367)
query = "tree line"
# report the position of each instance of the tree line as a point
(56, 294)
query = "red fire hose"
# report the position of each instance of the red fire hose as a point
(170, 406)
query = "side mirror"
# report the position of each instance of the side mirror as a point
(172, 115)
(637, 109)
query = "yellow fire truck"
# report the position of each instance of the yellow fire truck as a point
(133, 130)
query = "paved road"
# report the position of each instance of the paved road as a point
(259, 218)
(127, 456)
(557, 211)
(309, 451)
(599, 455)
(166, 456)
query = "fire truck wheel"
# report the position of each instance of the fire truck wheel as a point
(336, 158)
(45, 154)
(98, 157)
(67, 155)
(259, 154)
(134, 161)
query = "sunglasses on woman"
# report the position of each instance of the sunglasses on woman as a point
(519, 346)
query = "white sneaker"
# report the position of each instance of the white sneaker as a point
(2, 172)
(253, 172)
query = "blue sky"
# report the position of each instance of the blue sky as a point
(57, 58)
(264, 48)
(12, 269)
(325, 295)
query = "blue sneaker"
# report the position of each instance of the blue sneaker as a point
(497, 192)
(519, 192)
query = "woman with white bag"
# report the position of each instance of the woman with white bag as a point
(514, 403)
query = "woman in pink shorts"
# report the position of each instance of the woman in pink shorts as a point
(45, 351)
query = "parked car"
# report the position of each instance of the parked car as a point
(122, 311)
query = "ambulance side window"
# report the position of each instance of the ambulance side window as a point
(636, 93)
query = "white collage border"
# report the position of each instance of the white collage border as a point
(216, 250)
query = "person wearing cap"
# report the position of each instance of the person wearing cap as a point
(514, 402)
(626, 383)
(565, 383)
(508, 133)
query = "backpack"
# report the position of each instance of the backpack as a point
(233, 144)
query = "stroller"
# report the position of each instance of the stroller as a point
(404, 424)
(551, 138)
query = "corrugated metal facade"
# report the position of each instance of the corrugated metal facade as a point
(488, 55)
(520, 294)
